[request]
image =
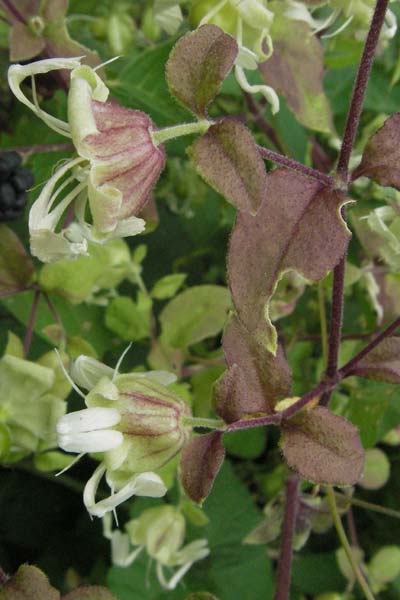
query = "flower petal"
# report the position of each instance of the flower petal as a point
(89, 419)
(91, 441)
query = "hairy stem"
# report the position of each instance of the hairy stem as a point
(350, 131)
(31, 323)
(346, 546)
(294, 165)
(388, 512)
(169, 133)
(200, 422)
(261, 122)
(322, 320)
(288, 529)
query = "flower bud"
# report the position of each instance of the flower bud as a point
(376, 469)
(384, 566)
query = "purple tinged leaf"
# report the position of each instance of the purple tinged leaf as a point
(296, 70)
(197, 66)
(28, 583)
(24, 44)
(16, 267)
(201, 460)
(255, 379)
(92, 592)
(381, 158)
(298, 227)
(323, 447)
(382, 364)
(228, 159)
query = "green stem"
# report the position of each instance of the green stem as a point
(346, 546)
(322, 320)
(200, 422)
(389, 512)
(169, 133)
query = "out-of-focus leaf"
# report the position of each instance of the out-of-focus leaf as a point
(323, 447)
(198, 64)
(298, 227)
(255, 379)
(381, 156)
(248, 443)
(201, 596)
(16, 267)
(194, 315)
(227, 158)
(29, 583)
(201, 460)
(128, 319)
(296, 70)
(167, 286)
(382, 364)
(92, 592)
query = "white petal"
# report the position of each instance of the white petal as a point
(267, 91)
(87, 371)
(90, 441)
(89, 419)
(145, 484)
(163, 377)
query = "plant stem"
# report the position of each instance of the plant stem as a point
(288, 529)
(262, 122)
(169, 133)
(3, 578)
(38, 148)
(294, 165)
(346, 546)
(347, 369)
(322, 320)
(389, 512)
(31, 323)
(350, 131)
(352, 528)
(13, 11)
(55, 314)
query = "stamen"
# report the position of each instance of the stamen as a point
(339, 30)
(67, 375)
(211, 13)
(107, 62)
(121, 358)
(71, 464)
(267, 91)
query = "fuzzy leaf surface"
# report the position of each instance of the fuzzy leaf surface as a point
(296, 70)
(197, 66)
(16, 267)
(228, 159)
(323, 447)
(255, 379)
(381, 158)
(382, 364)
(201, 460)
(92, 592)
(28, 583)
(298, 227)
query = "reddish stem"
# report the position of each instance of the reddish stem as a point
(31, 323)
(262, 123)
(294, 165)
(39, 148)
(288, 530)
(351, 128)
(13, 11)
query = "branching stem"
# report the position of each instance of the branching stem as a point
(31, 322)
(294, 165)
(288, 530)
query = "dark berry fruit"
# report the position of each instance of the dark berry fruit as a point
(14, 181)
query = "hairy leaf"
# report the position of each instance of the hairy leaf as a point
(381, 158)
(296, 70)
(28, 583)
(382, 364)
(227, 158)
(198, 64)
(323, 447)
(194, 315)
(93, 592)
(201, 460)
(16, 267)
(255, 379)
(298, 227)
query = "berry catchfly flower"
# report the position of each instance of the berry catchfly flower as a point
(134, 420)
(116, 167)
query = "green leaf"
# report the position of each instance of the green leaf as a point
(317, 573)
(194, 315)
(249, 443)
(323, 447)
(16, 267)
(198, 64)
(201, 596)
(381, 156)
(167, 286)
(29, 583)
(128, 319)
(255, 379)
(228, 159)
(201, 460)
(296, 69)
(298, 227)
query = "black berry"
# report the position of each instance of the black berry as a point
(14, 181)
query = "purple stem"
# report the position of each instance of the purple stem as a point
(351, 524)
(31, 323)
(351, 128)
(39, 148)
(54, 313)
(3, 577)
(288, 529)
(13, 11)
(294, 165)
(262, 122)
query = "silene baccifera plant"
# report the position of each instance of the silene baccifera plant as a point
(292, 228)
